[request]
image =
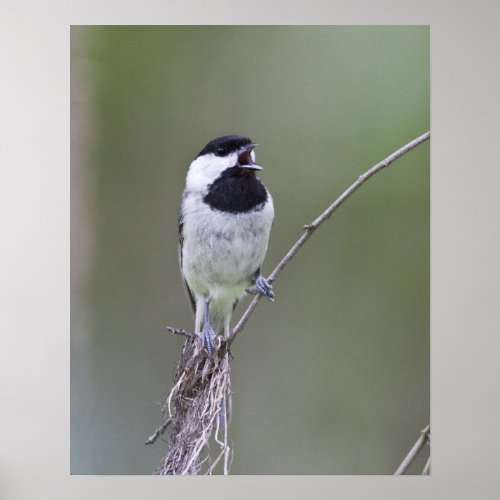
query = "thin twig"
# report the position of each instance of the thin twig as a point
(427, 467)
(158, 432)
(412, 454)
(310, 228)
(180, 331)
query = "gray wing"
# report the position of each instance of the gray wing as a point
(188, 290)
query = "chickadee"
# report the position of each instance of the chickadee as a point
(225, 219)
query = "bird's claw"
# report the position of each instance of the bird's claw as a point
(264, 288)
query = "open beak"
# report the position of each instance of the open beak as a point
(245, 159)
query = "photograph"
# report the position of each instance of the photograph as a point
(250, 250)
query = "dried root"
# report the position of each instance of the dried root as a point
(197, 409)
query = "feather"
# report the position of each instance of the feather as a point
(188, 290)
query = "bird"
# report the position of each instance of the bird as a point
(225, 220)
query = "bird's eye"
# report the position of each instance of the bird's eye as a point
(220, 150)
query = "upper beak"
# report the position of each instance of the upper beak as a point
(245, 160)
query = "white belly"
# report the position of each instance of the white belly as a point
(223, 251)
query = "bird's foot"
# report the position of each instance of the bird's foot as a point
(264, 288)
(208, 336)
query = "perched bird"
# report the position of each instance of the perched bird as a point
(225, 219)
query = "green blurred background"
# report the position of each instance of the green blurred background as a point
(333, 378)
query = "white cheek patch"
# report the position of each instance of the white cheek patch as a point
(205, 169)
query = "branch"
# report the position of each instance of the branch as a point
(412, 454)
(310, 228)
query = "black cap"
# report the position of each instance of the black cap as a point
(223, 146)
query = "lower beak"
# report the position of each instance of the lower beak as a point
(251, 167)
